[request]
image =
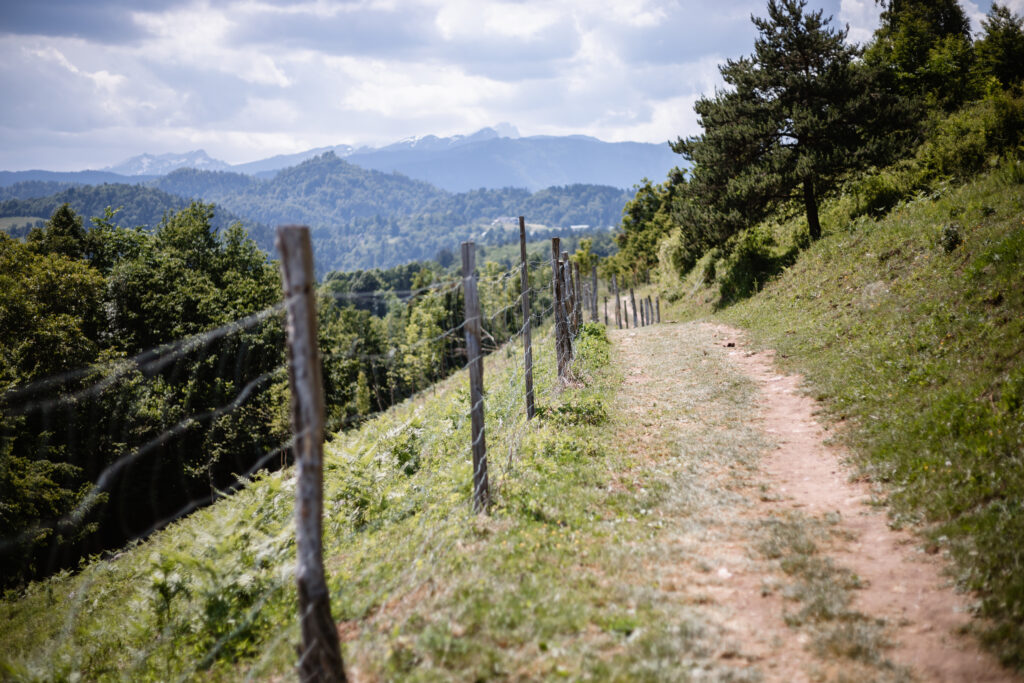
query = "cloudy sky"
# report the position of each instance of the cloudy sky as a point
(90, 83)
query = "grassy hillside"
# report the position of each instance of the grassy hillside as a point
(421, 587)
(911, 329)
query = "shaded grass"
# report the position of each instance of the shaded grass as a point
(919, 346)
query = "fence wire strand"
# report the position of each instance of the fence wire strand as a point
(506, 427)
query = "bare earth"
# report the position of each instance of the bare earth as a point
(709, 559)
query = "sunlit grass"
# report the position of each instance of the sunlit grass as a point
(917, 343)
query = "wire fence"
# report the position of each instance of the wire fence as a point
(158, 436)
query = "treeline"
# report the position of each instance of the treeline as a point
(137, 205)
(808, 117)
(151, 363)
(360, 218)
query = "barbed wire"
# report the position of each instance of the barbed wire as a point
(507, 425)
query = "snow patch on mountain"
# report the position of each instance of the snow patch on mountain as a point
(162, 164)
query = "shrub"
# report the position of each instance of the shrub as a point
(951, 237)
(751, 262)
(960, 144)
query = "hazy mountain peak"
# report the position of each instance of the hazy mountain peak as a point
(161, 164)
(433, 143)
(506, 130)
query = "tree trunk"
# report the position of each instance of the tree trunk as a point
(811, 204)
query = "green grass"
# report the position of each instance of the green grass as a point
(916, 341)
(421, 587)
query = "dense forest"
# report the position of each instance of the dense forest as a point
(360, 218)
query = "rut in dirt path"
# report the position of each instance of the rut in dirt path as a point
(793, 569)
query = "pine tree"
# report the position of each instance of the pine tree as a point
(64, 234)
(793, 121)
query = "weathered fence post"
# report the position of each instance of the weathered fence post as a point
(632, 298)
(579, 296)
(606, 311)
(618, 304)
(657, 308)
(527, 345)
(570, 316)
(481, 490)
(320, 656)
(561, 330)
(593, 289)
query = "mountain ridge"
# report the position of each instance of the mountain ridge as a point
(492, 157)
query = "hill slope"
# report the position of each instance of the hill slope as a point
(911, 328)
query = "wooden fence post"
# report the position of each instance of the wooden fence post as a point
(563, 273)
(320, 658)
(527, 345)
(570, 316)
(481, 490)
(579, 296)
(560, 320)
(593, 289)
(606, 311)
(618, 304)
(657, 308)
(632, 298)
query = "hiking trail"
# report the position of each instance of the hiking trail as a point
(788, 560)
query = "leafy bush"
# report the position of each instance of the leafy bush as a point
(951, 237)
(960, 144)
(750, 264)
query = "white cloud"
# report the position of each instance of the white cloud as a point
(195, 36)
(250, 78)
(862, 18)
(974, 13)
(460, 19)
(102, 79)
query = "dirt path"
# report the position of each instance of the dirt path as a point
(796, 574)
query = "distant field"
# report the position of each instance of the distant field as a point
(10, 222)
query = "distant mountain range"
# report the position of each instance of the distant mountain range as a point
(368, 207)
(490, 158)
